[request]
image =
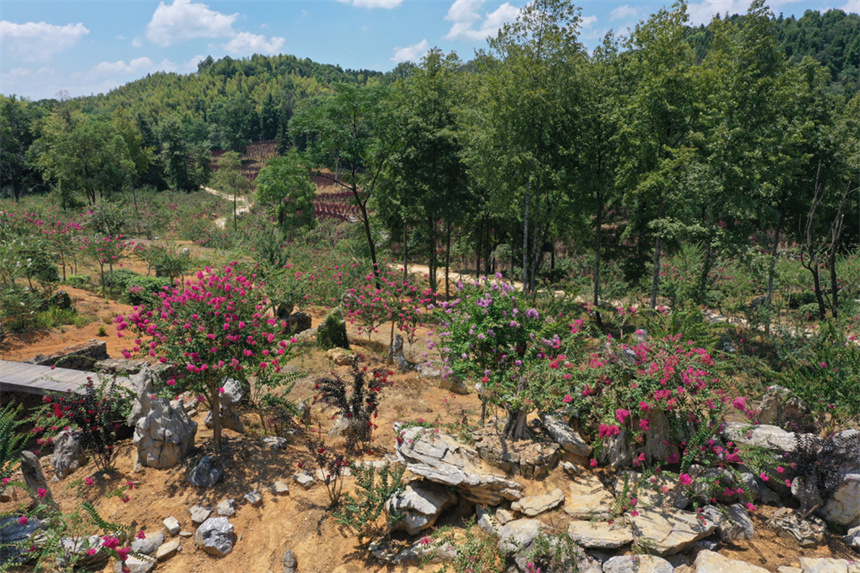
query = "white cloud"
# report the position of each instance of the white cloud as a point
(411, 53)
(470, 25)
(246, 44)
(38, 41)
(387, 4)
(703, 12)
(852, 6)
(120, 67)
(185, 20)
(137, 42)
(624, 12)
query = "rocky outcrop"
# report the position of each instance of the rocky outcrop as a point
(587, 498)
(599, 534)
(536, 504)
(419, 505)
(68, 455)
(442, 459)
(565, 436)
(637, 564)
(669, 532)
(164, 435)
(733, 525)
(711, 562)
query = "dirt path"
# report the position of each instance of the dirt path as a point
(242, 205)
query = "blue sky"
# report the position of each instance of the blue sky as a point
(85, 48)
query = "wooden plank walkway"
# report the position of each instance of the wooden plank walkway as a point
(34, 379)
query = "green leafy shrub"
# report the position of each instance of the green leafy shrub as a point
(143, 290)
(332, 332)
(79, 281)
(118, 280)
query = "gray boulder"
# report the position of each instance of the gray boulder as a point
(843, 507)
(215, 536)
(199, 514)
(34, 477)
(205, 474)
(143, 386)
(13, 533)
(564, 435)
(853, 538)
(164, 435)
(229, 406)
(735, 524)
(419, 505)
(135, 565)
(68, 455)
(291, 564)
(762, 436)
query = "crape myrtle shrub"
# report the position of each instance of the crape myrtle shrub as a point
(210, 328)
(490, 334)
(663, 397)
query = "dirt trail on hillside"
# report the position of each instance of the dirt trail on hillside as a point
(243, 205)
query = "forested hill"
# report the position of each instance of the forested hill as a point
(228, 102)
(832, 38)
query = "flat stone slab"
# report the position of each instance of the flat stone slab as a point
(637, 564)
(587, 498)
(813, 565)
(168, 550)
(669, 532)
(761, 435)
(305, 480)
(171, 524)
(536, 504)
(199, 514)
(599, 534)
(711, 562)
(279, 488)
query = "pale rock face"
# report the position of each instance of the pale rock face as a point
(711, 562)
(813, 565)
(68, 455)
(732, 526)
(637, 564)
(442, 459)
(671, 531)
(164, 435)
(599, 534)
(537, 504)
(420, 505)
(763, 436)
(587, 498)
(844, 507)
(562, 434)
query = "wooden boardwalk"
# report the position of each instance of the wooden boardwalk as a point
(34, 379)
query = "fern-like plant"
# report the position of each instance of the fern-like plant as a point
(361, 513)
(11, 441)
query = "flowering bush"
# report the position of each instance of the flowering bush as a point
(210, 328)
(662, 398)
(490, 334)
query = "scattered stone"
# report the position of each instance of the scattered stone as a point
(413, 555)
(570, 469)
(275, 442)
(813, 565)
(199, 514)
(711, 562)
(789, 524)
(733, 525)
(843, 507)
(171, 524)
(34, 477)
(164, 435)
(168, 550)
(304, 479)
(761, 435)
(587, 498)
(68, 454)
(279, 488)
(599, 534)
(487, 521)
(185, 534)
(205, 474)
(226, 508)
(536, 504)
(135, 565)
(442, 459)
(778, 405)
(420, 504)
(669, 532)
(149, 544)
(853, 538)
(564, 435)
(787, 569)
(637, 564)
(215, 536)
(708, 544)
(254, 498)
(229, 406)
(291, 563)
(429, 370)
(76, 548)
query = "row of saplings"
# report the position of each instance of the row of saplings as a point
(678, 481)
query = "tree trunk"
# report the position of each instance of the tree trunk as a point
(405, 257)
(526, 236)
(516, 426)
(235, 222)
(655, 278)
(447, 261)
(774, 256)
